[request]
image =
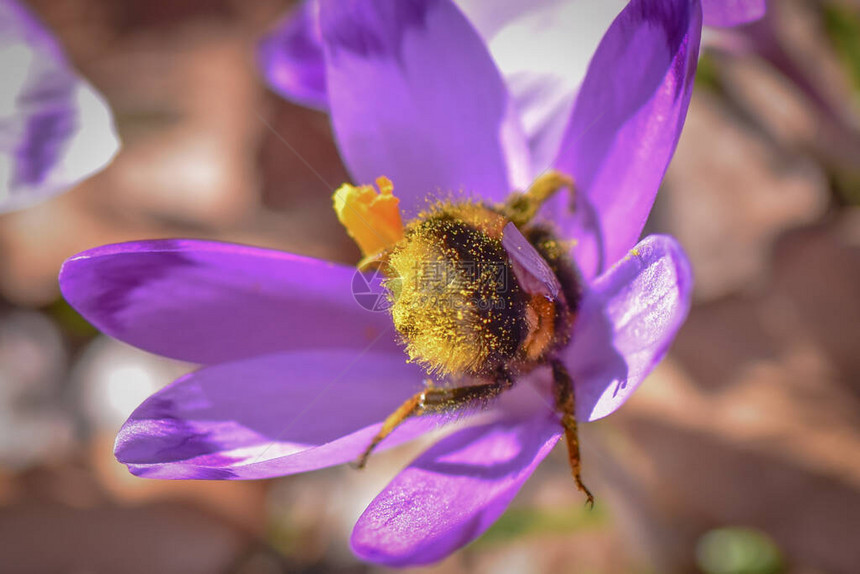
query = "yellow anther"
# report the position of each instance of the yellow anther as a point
(371, 218)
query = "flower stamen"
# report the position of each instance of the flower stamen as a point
(371, 217)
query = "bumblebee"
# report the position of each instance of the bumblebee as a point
(477, 293)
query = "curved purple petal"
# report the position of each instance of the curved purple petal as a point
(727, 13)
(453, 492)
(55, 129)
(209, 302)
(561, 35)
(626, 123)
(292, 60)
(542, 48)
(628, 320)
(269, 416)
(415, 96)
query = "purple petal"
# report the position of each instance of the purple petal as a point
(628, 319)
(542, 48)
(208, 302)
(543, 80)
(727, 13)
(626, 123)
(292, 57)
(453, 492)
(269, 416)
(415, 96)
(55, 129)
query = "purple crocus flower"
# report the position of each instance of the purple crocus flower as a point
(55, 128)
(297, 376)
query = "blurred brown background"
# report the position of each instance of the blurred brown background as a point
(741, 454)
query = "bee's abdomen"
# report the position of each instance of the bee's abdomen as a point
(456, 302)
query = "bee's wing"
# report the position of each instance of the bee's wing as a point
(531, 270)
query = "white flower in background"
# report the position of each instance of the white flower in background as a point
(55, 128)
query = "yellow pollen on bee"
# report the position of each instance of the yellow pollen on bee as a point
(447, 263)
(371, 217)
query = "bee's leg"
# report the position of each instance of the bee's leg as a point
(413, 406)
(565, 403)
(435, 399)
(522, 207)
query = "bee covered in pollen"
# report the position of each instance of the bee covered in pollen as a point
(480, 295)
